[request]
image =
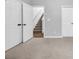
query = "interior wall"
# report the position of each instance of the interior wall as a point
(27, 1)
(36, 10)
(53, 14)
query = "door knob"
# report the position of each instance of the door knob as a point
(24, 24)
(72, 23)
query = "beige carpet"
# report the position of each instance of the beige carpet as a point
(43, 49)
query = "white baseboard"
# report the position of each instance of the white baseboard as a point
(53, 36)
(67, 36)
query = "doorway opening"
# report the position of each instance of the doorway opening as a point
(37, 31)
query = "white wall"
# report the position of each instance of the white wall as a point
(36, 10)
(52, 12)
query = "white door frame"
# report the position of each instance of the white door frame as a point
(65, 6)
(43, 20)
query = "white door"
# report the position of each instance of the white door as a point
(27, 22)
(13, 34)
(67, 22)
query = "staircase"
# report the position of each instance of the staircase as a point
(38, 28)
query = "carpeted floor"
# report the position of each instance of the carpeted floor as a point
(43, 49)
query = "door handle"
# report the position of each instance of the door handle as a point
(24, 24)
(19, 24)
(72, 23)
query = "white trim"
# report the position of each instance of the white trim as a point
(53, 36)
(67, 36)
(43, 24)
(67, 6)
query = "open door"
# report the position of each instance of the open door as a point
(27, 22)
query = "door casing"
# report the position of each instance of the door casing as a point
(67, 32)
